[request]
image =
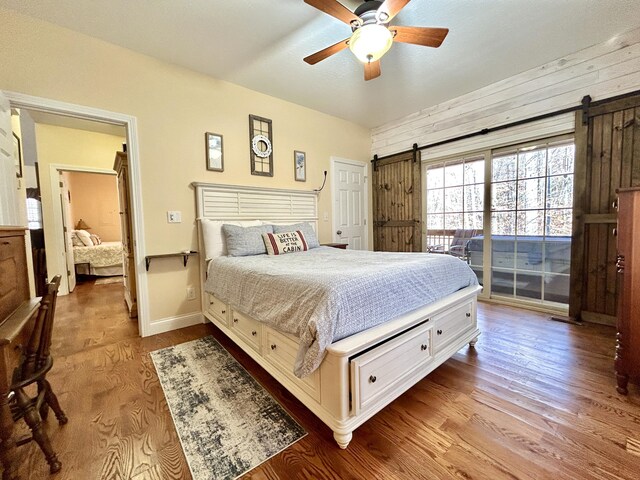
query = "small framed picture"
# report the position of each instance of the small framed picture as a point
(215, 157)
(17, 155)
(300, 166)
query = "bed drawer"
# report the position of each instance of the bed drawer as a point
(281, 351)
(448, 326)
(247, 329)
(374, 373)
(218, 309)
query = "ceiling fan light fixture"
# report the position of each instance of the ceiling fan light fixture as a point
(370, 42)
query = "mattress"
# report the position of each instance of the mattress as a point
(327, 294)
(106, 254)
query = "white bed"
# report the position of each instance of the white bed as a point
(360, 374)
(100, 260)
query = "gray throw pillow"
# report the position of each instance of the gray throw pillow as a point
(306, 229)
(243, 241)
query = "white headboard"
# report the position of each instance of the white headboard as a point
(232, 202)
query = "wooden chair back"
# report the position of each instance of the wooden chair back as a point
(35, 357)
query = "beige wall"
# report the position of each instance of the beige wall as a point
(174, 108)
(72, 148)
(94, 199)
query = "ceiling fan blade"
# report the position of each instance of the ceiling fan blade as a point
(327, 52)
(392, 8)
(335, 9)
(372, 70)
(428, 37)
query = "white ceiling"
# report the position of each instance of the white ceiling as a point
(260, 44)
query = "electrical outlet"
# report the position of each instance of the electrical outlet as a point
(191, 292)
(174, 216)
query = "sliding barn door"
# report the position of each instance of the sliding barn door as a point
(607, 158)
(397, 205)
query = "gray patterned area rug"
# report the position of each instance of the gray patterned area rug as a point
(227, 423)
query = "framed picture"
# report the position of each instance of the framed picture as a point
(300, 166)
(261, 145)
(215, 157)
(17, 156)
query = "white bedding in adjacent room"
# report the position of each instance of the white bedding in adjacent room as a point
(327, 294)
(107, 254)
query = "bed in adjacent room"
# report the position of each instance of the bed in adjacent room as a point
(104, 259)
(346, 332)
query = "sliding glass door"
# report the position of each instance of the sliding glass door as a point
(522, 230)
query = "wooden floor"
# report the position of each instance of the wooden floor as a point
(536, 399)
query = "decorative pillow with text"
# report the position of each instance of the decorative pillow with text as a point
(285, 242)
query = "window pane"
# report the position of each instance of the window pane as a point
(453, 175)
(529, 254)
(473, 220)
(453, 221)
(503, 196)
(559, 222)
(435, 200)
(503, 223)
(435, 222)
(556, 288)
(561, 159)
(473, 198)
(532, 163)
(503, 168)
(530, 222)
(557, 255)
(474, 171)
(435, 177)
(529, 285)
(531, 193)
(560, 192)
(453, 199)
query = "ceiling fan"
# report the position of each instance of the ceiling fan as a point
(371, 34)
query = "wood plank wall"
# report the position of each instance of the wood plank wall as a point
(602, 71)
(397, 204)
(610, 152)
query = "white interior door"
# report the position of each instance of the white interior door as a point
(8, 204)
(67, 228)
(350, 203)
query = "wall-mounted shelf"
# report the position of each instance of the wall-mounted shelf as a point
(185, 257)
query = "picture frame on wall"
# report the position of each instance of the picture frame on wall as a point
(300, 166)
(215, 152)
(17, 155)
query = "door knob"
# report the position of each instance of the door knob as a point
(339, 232)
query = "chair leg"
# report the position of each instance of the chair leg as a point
(39, 435)
(44, 408)
(51, 400)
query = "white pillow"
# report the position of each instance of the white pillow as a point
(212, 237)
(85, 238)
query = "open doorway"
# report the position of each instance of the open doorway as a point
(76, 212)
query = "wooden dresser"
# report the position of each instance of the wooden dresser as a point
(628, 262)
(121, 166)
(15, 311)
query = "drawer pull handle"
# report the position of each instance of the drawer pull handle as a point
(373, 379)
(254, 333)
(211, 302)
(468, 314)
(423, 347)
(439, 332)
(235, 320)
(273, 346)
(223, 312)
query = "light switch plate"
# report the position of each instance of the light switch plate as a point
(174, 216)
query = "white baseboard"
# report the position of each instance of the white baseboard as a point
(173, 323)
